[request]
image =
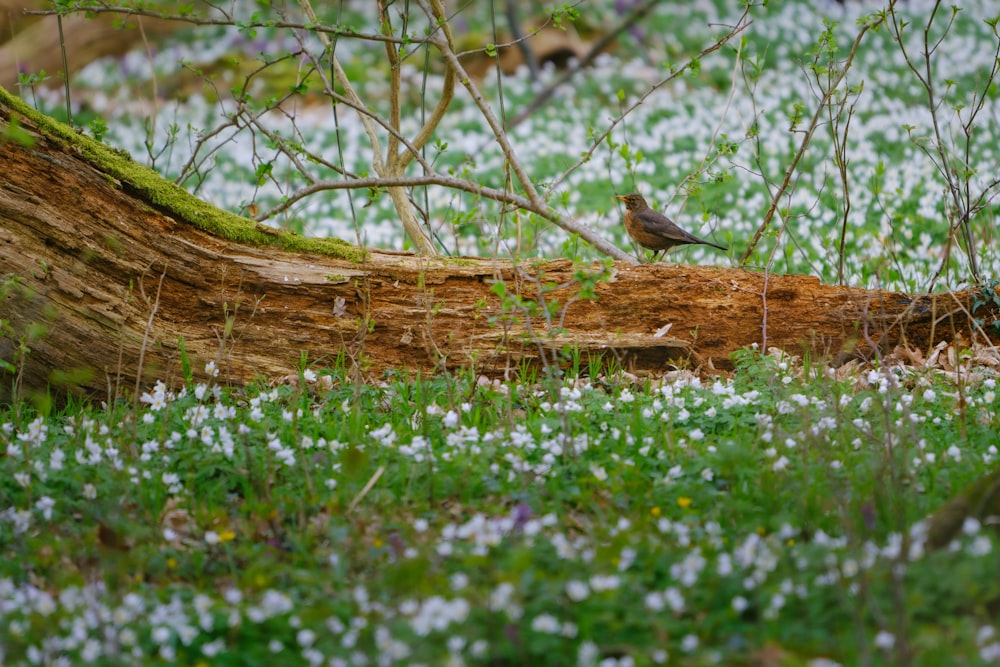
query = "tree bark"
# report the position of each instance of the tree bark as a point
(105, 269)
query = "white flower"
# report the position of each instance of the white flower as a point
(587, 654)
(885, 640)
(654, 601)
(577, 590)
(725, 565)
(459, 581)
(971, 525)
(213, 648)
(479, 648)
(45, 505)
(546, 623)
(674, 598)
(599, 583)
(981, 546)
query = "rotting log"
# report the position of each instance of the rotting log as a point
(105, 268)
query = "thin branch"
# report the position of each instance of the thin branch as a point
(537, 203)
(498, 132)
(447, 94)
(227, 21)
(741, 25)
(451, 182)
(62, 51)
(636, 13)
(352, 97)
(806, 140)
(392, 56)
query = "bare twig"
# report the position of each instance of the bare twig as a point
(742, 24)
(806, 140)
(62, 51)
(364, 491)
(542, 98)
(145, 335)
(226, 20)
(537, 203)
(956, 173)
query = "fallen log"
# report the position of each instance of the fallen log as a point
(112, 278)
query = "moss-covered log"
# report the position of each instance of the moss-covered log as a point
(106, 269)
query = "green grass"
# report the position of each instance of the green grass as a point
(710, 521)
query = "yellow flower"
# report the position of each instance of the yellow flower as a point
(655, 511)
(227, 535)
(684, 502)
(171, 563)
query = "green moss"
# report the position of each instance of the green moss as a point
(461, 261)
(170, 198)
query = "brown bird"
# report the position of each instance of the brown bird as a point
(651, 229)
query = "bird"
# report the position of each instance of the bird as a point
(651, 229)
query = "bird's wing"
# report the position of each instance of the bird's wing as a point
(661, 225)
(656, 223)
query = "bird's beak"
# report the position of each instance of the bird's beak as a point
(620, 197)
